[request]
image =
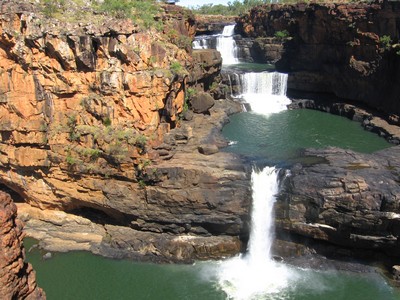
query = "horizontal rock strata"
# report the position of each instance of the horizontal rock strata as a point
(349, 200)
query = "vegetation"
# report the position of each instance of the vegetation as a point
(281, 34)
(143, 12)
(385, 41)
(233, 8)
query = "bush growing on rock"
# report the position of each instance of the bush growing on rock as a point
(143, 12)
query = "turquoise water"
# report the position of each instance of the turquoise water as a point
(277, 138)
(80, 275)
(281, 137)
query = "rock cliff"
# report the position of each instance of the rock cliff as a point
(350, 50)
(348, 199)
(17, 278)
(93, 123)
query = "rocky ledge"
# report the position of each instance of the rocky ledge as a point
(348, 204)
(17, 278)
(197, 209)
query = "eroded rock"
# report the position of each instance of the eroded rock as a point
(17, 278)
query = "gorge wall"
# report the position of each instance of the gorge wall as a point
(94, 123)
(17, 278)
(347, 50)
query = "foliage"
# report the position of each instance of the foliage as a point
(176, 67)
(143, 12)
(182, 41)
(190, 92)
(385, 41)
(51, 7)
(233, 8)
(107, 121)
(72, 123)
(71, 160)
(281, 34)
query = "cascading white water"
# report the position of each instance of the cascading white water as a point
(226, 45)
(201, 43)
(223, 42)
(256, 274)
(264, 91)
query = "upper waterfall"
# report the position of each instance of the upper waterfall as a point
(223, 42)
(226, 45)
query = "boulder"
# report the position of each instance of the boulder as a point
(202, 102)
(208, 149)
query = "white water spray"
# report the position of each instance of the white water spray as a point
(226, 45)
(256, 275)
(223, 42)
(264, 91)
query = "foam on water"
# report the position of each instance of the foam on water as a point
(255, 274)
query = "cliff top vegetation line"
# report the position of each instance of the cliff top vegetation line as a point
(237, 7)
(144, 13)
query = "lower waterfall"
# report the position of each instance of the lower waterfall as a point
(256, 274)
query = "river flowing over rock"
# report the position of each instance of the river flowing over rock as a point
(349, 50)
(95, 142)
(17, 278)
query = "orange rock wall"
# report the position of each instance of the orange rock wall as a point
(85, 101)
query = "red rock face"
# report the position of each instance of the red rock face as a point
(336, 48)
(86, 99)
(17, 278)
(90, 125)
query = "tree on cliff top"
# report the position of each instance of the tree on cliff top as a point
(233, 8)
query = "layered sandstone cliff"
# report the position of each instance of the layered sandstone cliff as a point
(346, 49)
(92, 123)
(17, 278)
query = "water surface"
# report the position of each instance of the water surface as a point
(81, 275)
(281, 137)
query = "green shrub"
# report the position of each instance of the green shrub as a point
(51, 7)
(71, 160)
(142, 12)
(281, 34)
(107, 121)
(176, 67)
(385, 42)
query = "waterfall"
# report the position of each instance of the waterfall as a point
(226, 45)
(265, 92)
(256, 274)
(223, 42)
(202, 42)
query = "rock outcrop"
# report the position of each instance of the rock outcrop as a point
(346, 49)
(92, 123)
(17, 278)
(212, 24)
(349, 199)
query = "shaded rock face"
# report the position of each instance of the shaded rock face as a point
(17, 278)
(212, 24)
(332, 48)
(349, 200)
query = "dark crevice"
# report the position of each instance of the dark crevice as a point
(99, 216)
(16, 197)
